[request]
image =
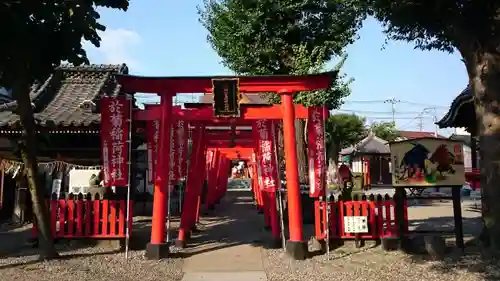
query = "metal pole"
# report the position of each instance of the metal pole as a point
(280, 198)
(327, 228)
(181, 190)
(127, 226)
(282, 222)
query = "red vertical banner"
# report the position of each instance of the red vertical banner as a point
(115, 129)
(266, 157)
(180, 148)
(316, 150)
(153, 136)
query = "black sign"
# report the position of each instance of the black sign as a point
(226, 97)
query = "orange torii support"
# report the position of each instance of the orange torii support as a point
(167, 87)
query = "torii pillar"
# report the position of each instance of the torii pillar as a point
(295, 246)
(158, 248)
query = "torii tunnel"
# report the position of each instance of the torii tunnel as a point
(242, 146)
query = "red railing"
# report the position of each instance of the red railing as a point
(77, 218)
(379, 211)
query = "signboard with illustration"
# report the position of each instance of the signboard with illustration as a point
(427, 162)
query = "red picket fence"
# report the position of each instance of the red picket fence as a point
(77, 218)
(379, 211)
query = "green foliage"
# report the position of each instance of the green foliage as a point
(343, 130)
(442, 25)
(283, 37)
(385, 130)
(38, 35)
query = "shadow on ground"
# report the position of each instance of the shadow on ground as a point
(473, 259)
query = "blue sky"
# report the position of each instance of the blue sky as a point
(164, 38)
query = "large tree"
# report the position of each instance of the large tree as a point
(385, 130)
(36, 37)
(283, 37)
(473, 29)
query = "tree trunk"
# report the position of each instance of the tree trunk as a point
(484, 74)
(20, 92)
(301, 150)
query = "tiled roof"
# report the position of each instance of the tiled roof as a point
(461, 113)
(417, 134)
(369, 145)
(58, 101)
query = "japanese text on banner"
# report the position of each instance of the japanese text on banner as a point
(115, 117)
(181, 143)
(316, 151)
(153, 136)
(266, 157)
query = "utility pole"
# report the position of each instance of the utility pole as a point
(393, 102)
(420, 122)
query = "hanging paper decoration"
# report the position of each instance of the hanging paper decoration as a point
(13, 167)
(266, 156)
(115, 127)
(316, 150)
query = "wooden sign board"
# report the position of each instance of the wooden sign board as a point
(226, 97)
(427, 162)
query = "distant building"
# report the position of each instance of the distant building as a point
(369, 158)
(408, 135)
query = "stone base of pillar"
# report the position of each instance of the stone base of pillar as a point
(157, 251)
(297, 249)
(318, 245)
(181, 244)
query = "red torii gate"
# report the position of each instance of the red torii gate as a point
(167, 87)
(222, 145)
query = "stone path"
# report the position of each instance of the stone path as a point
(229, 245)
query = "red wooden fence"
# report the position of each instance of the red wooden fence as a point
(380, 214)
(76, 218)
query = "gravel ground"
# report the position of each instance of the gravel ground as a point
(18, 262)
(375, 264)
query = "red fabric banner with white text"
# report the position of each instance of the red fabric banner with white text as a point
(115, 128)
(180, 142)
(153, 136)
(267, 172)
(316, 150)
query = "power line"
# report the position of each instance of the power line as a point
(378, 112)
(393, 102)
(395, 118)
(399, 101)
